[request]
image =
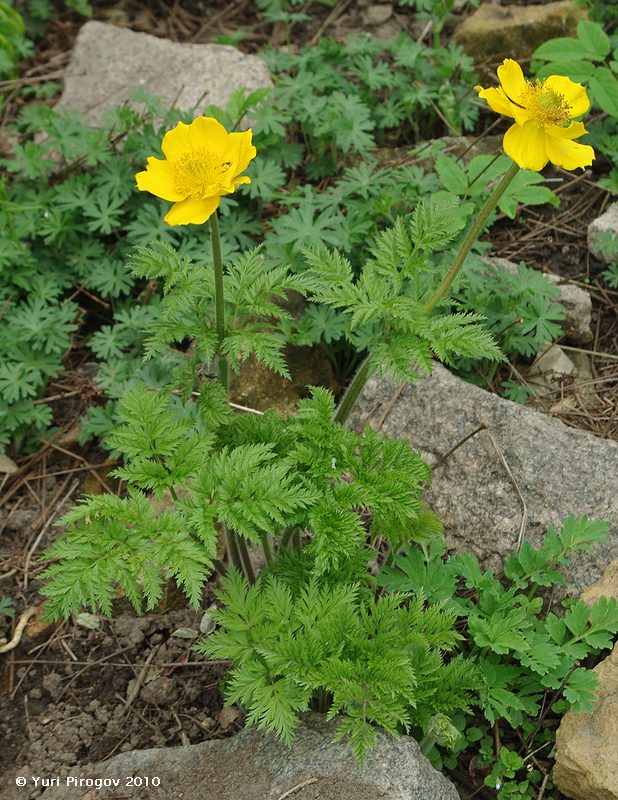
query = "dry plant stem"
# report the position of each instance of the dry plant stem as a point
(19, 629)
(473, 234)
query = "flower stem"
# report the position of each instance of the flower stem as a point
(473, 234)
(246, 560)
(222, 367)
(352, 392)
(268, 555)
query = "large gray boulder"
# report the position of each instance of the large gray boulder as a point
(558, 470)
(254, 765)
(109, 63)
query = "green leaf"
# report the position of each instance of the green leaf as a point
(580, 689)
(563, 49)
(604, 90)
(578, 71)
(594, 38)
(452, 174)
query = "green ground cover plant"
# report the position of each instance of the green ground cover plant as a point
(530, 659)
(408, 645)
(70, 217)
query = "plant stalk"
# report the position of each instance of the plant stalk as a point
(473, 234)
(352, 392)
(362, 376)
(246, 560)
(222, 366)
(268, 555)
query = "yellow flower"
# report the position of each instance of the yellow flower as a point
(202, 163)
(541, 111)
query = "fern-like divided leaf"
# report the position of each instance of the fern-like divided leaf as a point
(120, 542)
(371, 656)
(383, 306)
(249, 490)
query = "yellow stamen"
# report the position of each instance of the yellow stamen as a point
(547, 106)
(199, 173)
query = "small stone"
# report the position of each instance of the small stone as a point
(7, 465)
(160, 692)
(228, 716)
(586, 765)
(549, 368)
(52, 683)
(495, 32)
(130, 629)
(109, 63)
(601, 232)
(377, 14)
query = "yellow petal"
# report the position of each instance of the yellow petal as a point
(572, 131)
(242, 149)
(240, 180)
(496, 100)
(192, 211)
(573, 93)
(203, 132)
(568, 154)
(512, 80)
(158, 180)
(525, 144)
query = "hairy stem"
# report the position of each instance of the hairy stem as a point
(426, 743)
(285, 538)
(246, 560)
(268, 555)
(352, 392)
(222, 366)
(231, 541)
(473, 234)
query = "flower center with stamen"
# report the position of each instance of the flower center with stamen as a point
(547, 106)
(199, 173)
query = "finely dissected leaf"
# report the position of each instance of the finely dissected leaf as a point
(249, 491)
(113, 541)
(370, 654)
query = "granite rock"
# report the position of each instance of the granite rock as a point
(586, 765)
(110, 62)
(559, 470)
(377, 14)
(606, 586)
(494, 32)
(602, 229)
(254, 765)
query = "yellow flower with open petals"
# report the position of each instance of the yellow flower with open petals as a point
(202, 163)
(543, 111)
